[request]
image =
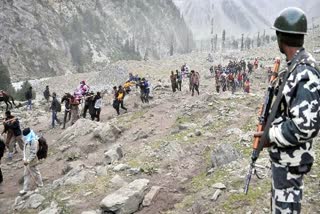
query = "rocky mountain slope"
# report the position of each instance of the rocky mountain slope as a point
(179, 154)
(54, 37)
(237, 16)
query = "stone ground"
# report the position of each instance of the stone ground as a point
(170, 142)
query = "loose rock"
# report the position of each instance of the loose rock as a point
(224, 154)
(53, 209)
(113, 154)
(150, 196)
(127, 199)
(120, 167)
(219, 186)
(216, 195)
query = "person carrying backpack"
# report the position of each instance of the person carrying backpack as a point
(30, 160)
(55, 108)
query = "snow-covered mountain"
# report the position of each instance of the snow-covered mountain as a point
(237, 16)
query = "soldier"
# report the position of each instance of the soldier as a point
(298, 118)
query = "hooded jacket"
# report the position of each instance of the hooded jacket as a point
(31, 147)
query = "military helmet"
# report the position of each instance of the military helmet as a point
(291, 20)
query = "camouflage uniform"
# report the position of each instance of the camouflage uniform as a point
(296, 124)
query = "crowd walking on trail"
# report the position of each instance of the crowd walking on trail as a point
(295, 122)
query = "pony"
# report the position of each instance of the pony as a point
(5, 97)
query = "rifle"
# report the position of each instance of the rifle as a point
(263, 116)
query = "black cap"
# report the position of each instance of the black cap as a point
(26, 131)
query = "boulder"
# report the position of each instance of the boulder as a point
(224, 154)
(198, 132)
(53, 209)
(219, 186)
(134, 171)
(216, 195)
(107, 133)
(102, 170)
(30, 200)
(77, 175)
(34, 201)
(208, 120)
(73, 154)
(113, 154)
(185, 126)
(141, 135)
(127, 199)
(120, 167)
(81, 128)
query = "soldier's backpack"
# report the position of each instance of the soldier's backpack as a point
(43, 148)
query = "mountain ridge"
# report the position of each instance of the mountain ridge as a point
(53, 37)
(248, 17)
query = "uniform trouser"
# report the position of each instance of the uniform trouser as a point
(13, 141)
(286, 190)
(31, 174)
